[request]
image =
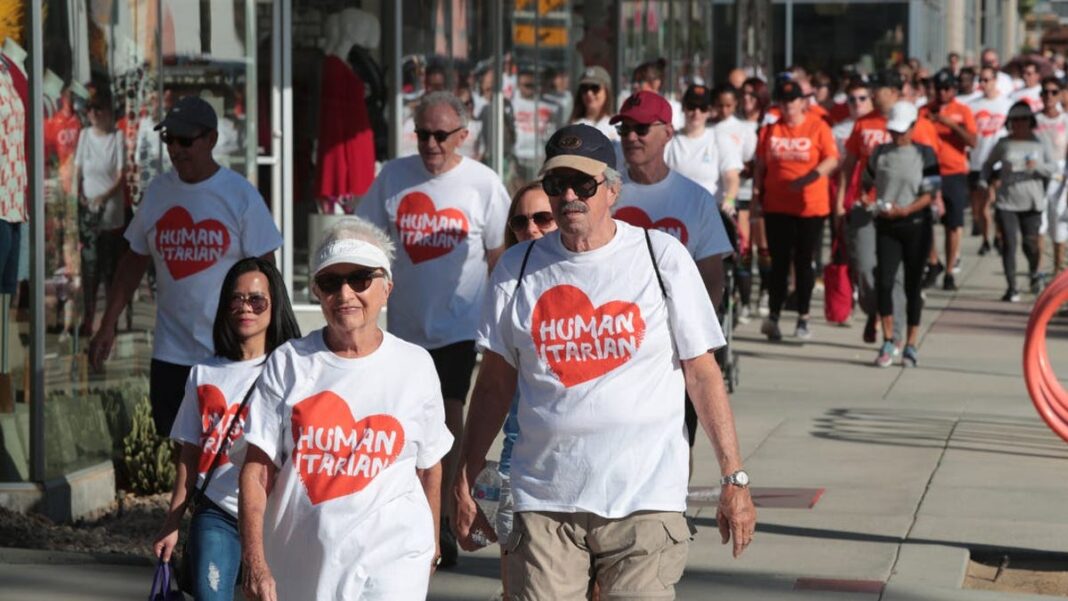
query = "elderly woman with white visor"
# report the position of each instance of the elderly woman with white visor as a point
(340, 486)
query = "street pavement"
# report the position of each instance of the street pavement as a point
(871, 484)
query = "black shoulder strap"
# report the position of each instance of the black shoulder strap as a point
(199, 494)
(523, 267)
(656, 268)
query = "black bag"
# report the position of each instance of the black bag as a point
(184, 572)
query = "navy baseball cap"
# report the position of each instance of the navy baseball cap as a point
(190, 116)
(888, 78)
(579, 147)
(944, 79)
(787, 90)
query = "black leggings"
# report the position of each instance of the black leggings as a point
(793, 241)
(1027, 223)
(897, 241)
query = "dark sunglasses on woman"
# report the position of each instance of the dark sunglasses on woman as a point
(257, 302)
(359, 280)
(590, 87)
(556, 184)
(542, 219)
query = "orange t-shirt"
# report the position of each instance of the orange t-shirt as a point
(789, 153)
(952, 152)
(870, 131)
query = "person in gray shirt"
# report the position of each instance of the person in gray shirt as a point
(904, 175)
(1026, 166)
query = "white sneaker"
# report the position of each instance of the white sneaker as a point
(744, 315)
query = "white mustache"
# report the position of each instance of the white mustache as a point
(574, 205)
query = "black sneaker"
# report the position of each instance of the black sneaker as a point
(869, 329)
(930, 276)
(984, 248)
(949, 282)
(1038, 282)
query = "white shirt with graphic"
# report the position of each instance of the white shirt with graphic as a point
(679, 206)
(347, 512)
(703, 159)
(1031, 95)
(535, 121)
(990, 116)
(598, 348)
(443, 227)
(194, 234)
(213, 395)
(1053, 131)
(742, 134)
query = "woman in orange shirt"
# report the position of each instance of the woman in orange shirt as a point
(794, 157)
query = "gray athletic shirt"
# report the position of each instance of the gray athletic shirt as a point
(1020, 189)
(901, 173)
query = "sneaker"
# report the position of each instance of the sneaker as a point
(1038, 282)
(956, 267)
(770, 328)
(910, 355)
(984, 248)
(869, 330)
(887, 354)
(745, 315)
(930, 276)
(802, 331)
(1011, 296)
(949, 282)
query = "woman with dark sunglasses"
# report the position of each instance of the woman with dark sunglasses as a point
(341, 482)
(593, 105)
(254, 317)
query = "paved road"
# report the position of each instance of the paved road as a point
(907, 468)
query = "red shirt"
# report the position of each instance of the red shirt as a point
(952, 152)
(870, 131)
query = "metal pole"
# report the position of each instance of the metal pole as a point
(286, 157)
(497, 106)
(397, 74)
(35, 163)
(789, 34)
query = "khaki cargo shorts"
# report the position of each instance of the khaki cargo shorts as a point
(558, 556)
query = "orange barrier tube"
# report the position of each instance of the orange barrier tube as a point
(1047, 393)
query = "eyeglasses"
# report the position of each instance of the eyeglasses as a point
(556, 184)
(1050, 92)
(257, 302)
(984, 79)
(439, 135)
(183, 141)
(693, 107)
(359, 280)
(642, 129)
(858, 99)
(542, 219)
(590, 88)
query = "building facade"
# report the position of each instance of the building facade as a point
(278, 73)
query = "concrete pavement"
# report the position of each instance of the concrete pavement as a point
(872, 483)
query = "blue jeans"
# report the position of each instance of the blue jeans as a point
(215, 548)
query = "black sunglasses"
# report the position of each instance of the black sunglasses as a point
(542, 219)
(590, 87)
(642, 129)
(556, 184)
(1050, 92)
(440, 135)
(359, 280)
(257, 302)
(856, 99)
(183, 141)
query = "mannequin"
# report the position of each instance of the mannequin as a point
(368, 37)
(14, 95)
(51, 88)
(346, 148)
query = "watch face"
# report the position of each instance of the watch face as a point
(741, 478)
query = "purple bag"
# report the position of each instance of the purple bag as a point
(161, 585)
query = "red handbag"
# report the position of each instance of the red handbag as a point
(837, 287)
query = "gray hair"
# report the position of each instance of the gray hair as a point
(438, 98)
(612, 178)
(358, 228)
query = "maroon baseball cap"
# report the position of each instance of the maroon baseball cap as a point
(645, 108)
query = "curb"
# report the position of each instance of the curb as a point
(13, 556)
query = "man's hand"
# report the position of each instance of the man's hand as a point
(736, 517)
(100, 346)
(259, 584)
(468, 521)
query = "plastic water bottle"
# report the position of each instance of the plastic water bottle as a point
(487, 494)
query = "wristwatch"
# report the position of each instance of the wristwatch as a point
(739, 478)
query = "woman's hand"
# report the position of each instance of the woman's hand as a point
(165, 542)
(259, 583)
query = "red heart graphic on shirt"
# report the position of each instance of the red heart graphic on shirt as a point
(215, 419)
(579, 342)
(639, 218)
(426, 232)
(988, 124)
(189, 247)
(336, 455)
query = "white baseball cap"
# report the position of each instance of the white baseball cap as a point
(902, 115)
(352, 251)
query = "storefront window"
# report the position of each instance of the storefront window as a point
(829, 35)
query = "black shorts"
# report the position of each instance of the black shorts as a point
(955, 197)
(455, 363)
(742, 205)
(166, 387)
(973, 180)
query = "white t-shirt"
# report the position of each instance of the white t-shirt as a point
(347, 436)
(703, 159)
(194, 234)
(99, 158)
(970, 97)
(990, 116)
(743, 134)
(598, 348)
(1054, 132)
(841, 132)
(1005, 84)
(603, 126)
(443, 227)
(535, 121)
(1032, 95)
(679, 206)
(678, 118)
(213, 395)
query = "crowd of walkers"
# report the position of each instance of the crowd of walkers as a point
(339, 464)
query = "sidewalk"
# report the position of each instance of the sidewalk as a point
(904, 469)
